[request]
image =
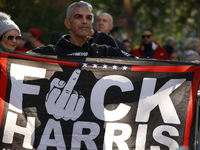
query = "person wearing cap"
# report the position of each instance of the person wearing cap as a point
(25, 44)
(4, 16)
(10, 34)
(78, 43)
(35, 37)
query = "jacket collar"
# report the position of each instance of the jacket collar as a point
(2, 49)
(154, 46)
(90, 40)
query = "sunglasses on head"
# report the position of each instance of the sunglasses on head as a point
(11, 37)
(143, 36)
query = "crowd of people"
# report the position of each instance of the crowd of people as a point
(149, 48)
(12, 39)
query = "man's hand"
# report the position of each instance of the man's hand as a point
(64, 102)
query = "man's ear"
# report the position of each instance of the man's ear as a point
(111, 26)
(67, 23)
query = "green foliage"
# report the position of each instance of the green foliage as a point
(155, 14)
(48, 15)
(40, 14)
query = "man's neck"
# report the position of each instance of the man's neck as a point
(92, 32)
(78, 41)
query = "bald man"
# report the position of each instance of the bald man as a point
(105, 24)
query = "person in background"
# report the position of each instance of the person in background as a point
(55, 36)
(25, 44)
(129, 45)
(170, 45)
(102, 38)
(105, 24)
(35, 37)
(78, 43)
(174, 56)
(191, 49)
(150, 48)
(10, 34)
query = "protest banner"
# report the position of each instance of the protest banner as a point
(71, 103)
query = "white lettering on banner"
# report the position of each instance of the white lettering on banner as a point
(62, 101)
(98, 95)
(141, 137)
(17, 73)
(78, 136)
(11, 128)
(148, 100)
(159, 137)
(18, 88)
(110, 138)
(58, 142)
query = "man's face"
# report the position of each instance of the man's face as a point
(80, 22)
(104, 23)
(147, 37)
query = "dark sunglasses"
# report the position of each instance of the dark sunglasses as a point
(11, 37)
(143, 36)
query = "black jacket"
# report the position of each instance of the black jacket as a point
(65, 48)
(102, 38)
(120, 44)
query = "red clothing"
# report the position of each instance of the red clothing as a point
(38, 44)
(158, 52)
(23, 49)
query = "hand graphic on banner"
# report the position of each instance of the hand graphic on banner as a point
(64, 102)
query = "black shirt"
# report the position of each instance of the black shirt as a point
(65, 48)
(102, 38)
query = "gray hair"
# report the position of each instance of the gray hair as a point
(81, 4)
(169, 40)
(191, 43)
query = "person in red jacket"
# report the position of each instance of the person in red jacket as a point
(150, 48)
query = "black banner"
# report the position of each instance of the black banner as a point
(72, 103)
